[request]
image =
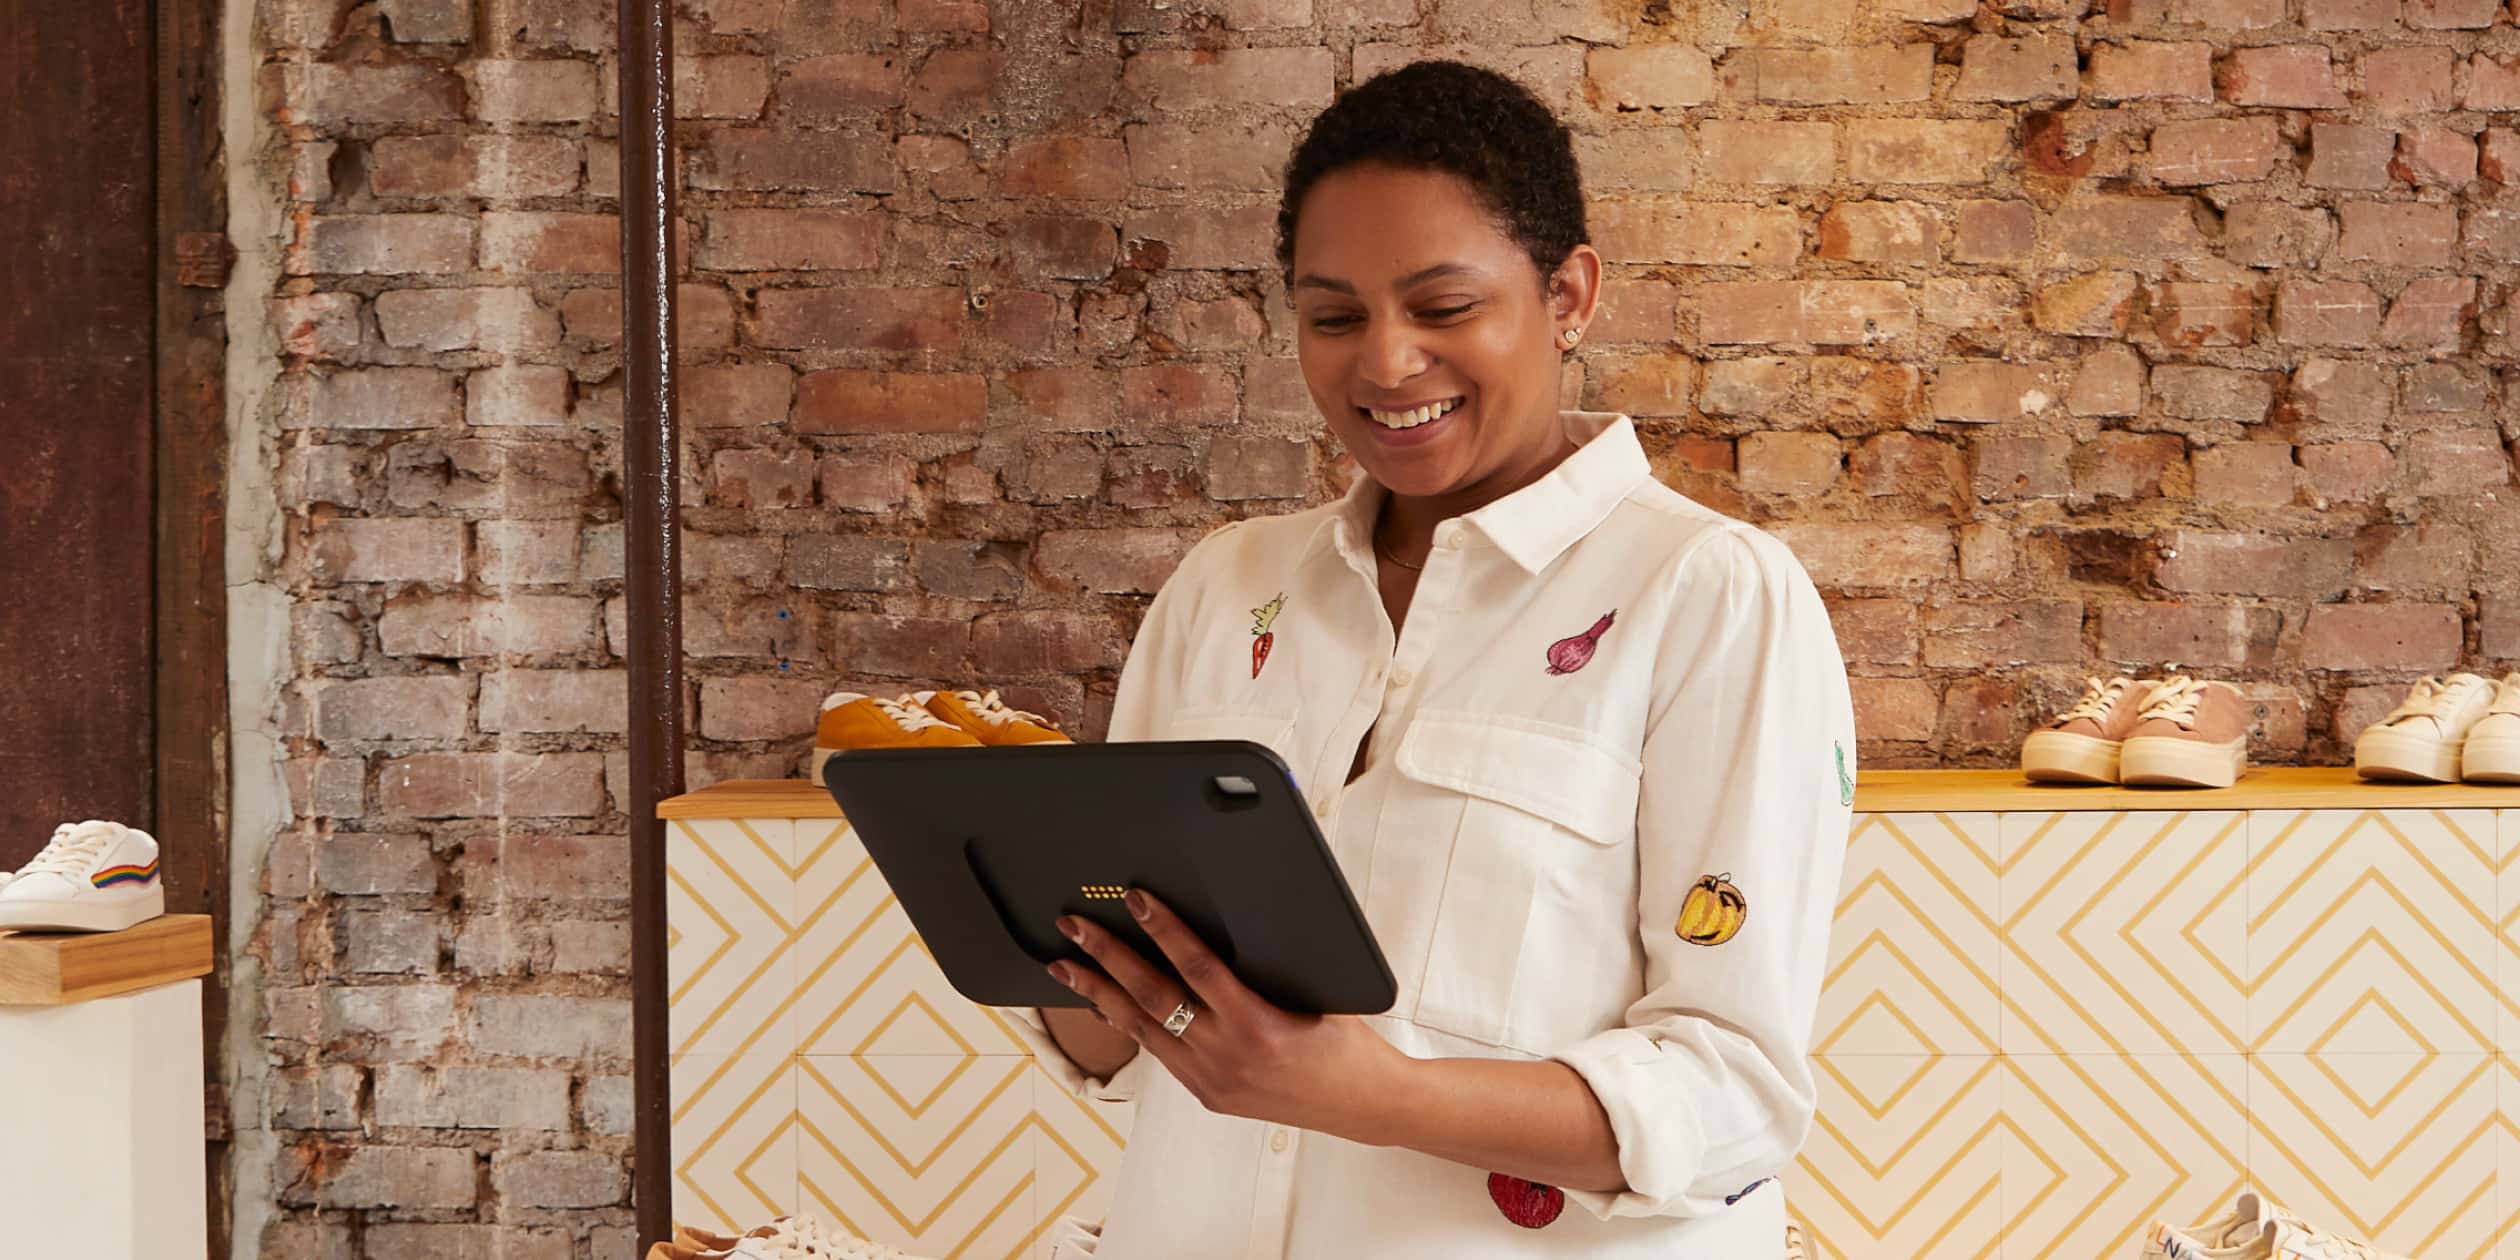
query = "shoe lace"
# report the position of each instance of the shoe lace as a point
(2506, 695)
(2174, 700)
(910, 716)
(2097, 699)
(2432, 697)
(72, 847)
(988, 708)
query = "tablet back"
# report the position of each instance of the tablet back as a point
(987, 847)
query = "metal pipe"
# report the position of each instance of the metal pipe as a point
(652, 571)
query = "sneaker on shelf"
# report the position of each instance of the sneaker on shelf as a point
(2420, 738)
(2081, 744)
(804, 1237)
(852, 721)
(986, 718)
(2296, 1239)
(1794, 1249)
(2189, 733)
(2492, 751)
(94, 876)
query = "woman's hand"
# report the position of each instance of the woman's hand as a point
(1242, 1055)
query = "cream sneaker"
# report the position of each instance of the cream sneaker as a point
(2254, 1229)
(2081, 745)
(95, 876)
(2190, 733)
(2420, 738)
(2492, 751)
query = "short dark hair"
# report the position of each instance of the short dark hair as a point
(1461, 120)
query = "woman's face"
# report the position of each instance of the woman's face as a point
(1425, 332)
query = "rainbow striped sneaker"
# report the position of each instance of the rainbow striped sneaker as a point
(94, 876)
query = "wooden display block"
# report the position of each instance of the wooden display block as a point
(58, 968)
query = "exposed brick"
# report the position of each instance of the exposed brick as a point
(1881, 231)
(2349, 15)
(1025, 644)
(2291, 76)
(2151, 70)
(1111, 561)
(2110, 229)
(2186, 316)
(1650, 77)
(756, 707)
(1750, 387)
(761, 159)
(559, 1179)
(2128, 465)
(791, 240)
(403, 1178)
(1894, 708)
(1241, 468)
(1768, 152)
(2414, 80)
(2435, 157)
(2038, 67)
(440, 166)
(864, 319)
(2347, 156)
(2451, 15)
(555, 700)
(335, 95)
(2326, 313)
(1789, 463)
(539, 1027)
(2381, 636)
(1867, 75)
(539, 91)
(721, 86)
(848, 562)
(2009, 468)
(550, 242)
(1234, 78)
(1236, 157)
(2100, 304)
(2348, 472)
(2169, 636)
(841, 87)
(866, 483)
(1996, 634)
(1199, 239)
(2206, 393)
(2492, 83)
(1641, 385)
(1986, 390)
(382, 244)
(953, 84)
(492, 785)
(431, 1097)
(1847, 555)
(2454, 463)
(2246, 474)
(2216, 150)
(1719, 234)
(2430, 313)
(1995, 231)
(1837, 312)
(500, 319)
(2198, 562)
(1088, 168)
(1875, 631)
(2397, 234)
(2432, 559)
(1909, 464)
(1926, 151)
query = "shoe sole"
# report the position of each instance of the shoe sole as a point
(2163, 761)
(2491, 760)
(2065, 757)
(27, 914)
(2381, 753)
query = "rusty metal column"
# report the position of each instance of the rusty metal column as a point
(652, 572)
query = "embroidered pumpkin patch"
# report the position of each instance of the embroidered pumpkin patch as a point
(1713, 911)
(1525, 1203)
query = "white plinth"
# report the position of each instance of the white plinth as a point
(101, 1150)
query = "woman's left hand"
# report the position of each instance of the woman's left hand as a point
(1242, 1055)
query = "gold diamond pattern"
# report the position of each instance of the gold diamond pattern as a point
(2039, 1033)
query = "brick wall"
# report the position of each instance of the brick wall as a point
(2052, 339)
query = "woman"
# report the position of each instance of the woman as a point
(1582, 747)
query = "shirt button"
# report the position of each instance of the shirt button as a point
(1447, 534)
(1321, 809)
(1402, 678)
(1277, 1141)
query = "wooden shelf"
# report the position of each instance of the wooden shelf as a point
(1876, 792)
(58, 968)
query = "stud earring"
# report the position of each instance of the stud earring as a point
(1570, 337)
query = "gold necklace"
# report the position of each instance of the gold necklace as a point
(1413, 568)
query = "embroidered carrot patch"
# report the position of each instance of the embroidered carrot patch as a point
(1568, 655)
(1262, 636)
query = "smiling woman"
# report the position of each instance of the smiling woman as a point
(1576, 741)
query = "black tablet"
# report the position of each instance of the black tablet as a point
(987, 847)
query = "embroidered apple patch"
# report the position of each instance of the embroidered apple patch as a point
(1525, 1203)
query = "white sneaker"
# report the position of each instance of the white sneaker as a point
(2254, 1229)
(2420, 739)
(2492, 751)
(94, 877)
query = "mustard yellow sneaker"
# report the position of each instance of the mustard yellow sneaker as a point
(850, 720)
(986, 718)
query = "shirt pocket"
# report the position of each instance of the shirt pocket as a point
(1534, 945)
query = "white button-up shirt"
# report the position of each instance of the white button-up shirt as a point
(1601, 822)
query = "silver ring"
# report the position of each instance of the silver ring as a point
(1178, 1022)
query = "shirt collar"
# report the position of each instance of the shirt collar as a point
(1533, 526)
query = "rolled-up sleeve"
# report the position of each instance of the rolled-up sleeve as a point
(1749, 758)
(1149, 683)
